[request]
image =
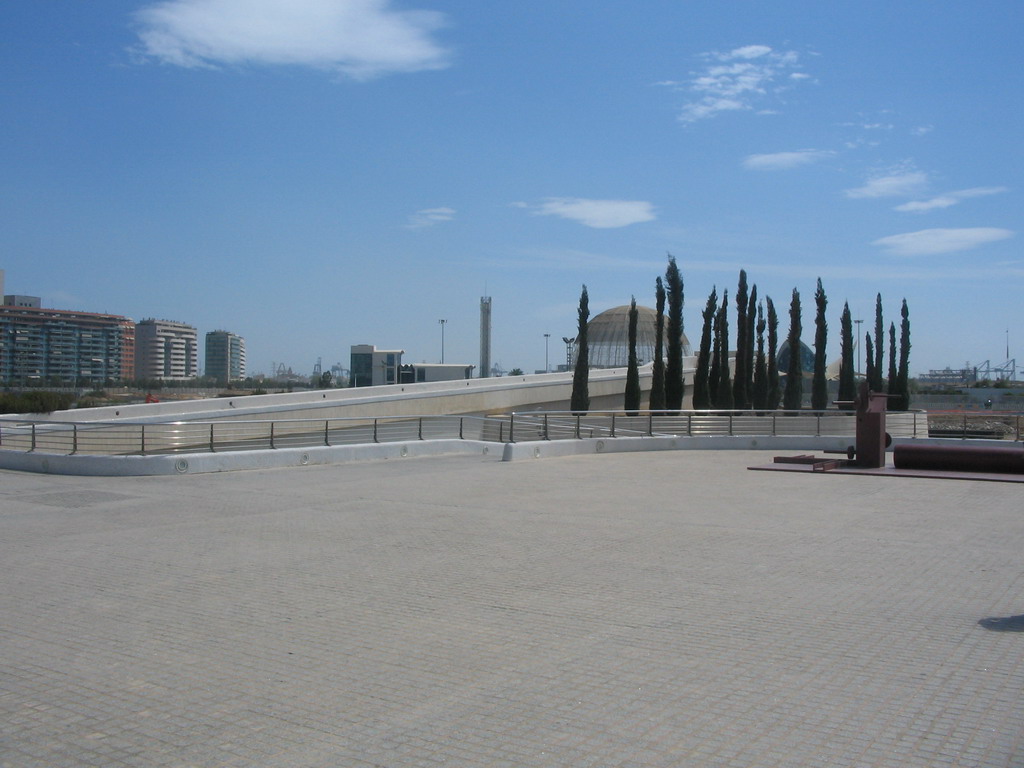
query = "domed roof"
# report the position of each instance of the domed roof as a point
(608, 337)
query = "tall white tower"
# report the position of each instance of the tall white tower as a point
(485, 337)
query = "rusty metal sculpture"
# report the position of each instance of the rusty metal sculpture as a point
(867, 456)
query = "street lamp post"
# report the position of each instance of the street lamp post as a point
(442, 322)
(547, 368)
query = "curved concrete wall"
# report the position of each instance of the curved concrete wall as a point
(550, 391)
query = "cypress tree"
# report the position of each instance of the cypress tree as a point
(847, 381)
(749, 363)
(759, 394)
(632, 394)
(701, 380)
(878, 384)
(580, 400)
(869, 361)
(903, 374)
(657, 402)
(893, 375)
(739, 385)
(674, 365)
(819, 384)
(724, 399)
(774, 390)
(792, 399)
(715, 372)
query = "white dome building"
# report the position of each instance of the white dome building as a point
(608, 338)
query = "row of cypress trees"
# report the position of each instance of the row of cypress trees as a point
(756, 384)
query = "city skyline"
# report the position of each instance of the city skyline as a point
(351, 171)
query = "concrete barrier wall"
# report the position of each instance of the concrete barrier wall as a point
(200, 463)
(472, 396)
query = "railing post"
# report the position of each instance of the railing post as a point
(774, 430)
(74, 439)
(730, 425)
(460, 428)
(547, 435)
(327, 433)
(375, 431)
(271, 434)
(613, 425)
(501, 431)
(213, 448)
(650, 424)
(419, 433)
(817, 425)
(578, 427)
(689, 425)
(512, 428)
(142, 440)
(33, 439)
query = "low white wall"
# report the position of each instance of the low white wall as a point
(546, 391)
(543, 449)
(199, 463)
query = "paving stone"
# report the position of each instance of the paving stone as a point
(659, 609)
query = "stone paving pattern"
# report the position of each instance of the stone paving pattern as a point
(660, 609)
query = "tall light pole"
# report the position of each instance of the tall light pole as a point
(856, 343)
(442, 322)
(547, 368)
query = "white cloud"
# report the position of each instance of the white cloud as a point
(737, 79)
(901, 184)
(746, 52)
(781, 161)
(428, 217)
(928, 242)
(949, 199)
(599, 214)
(357, 38)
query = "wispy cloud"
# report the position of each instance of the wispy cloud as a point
(360, 39)
(927, 242)
(781, 161)
(598, 214)
(900, 184)
(949, 199)
(738, 80)
(428, 217)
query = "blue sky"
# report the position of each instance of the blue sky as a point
(313, 174)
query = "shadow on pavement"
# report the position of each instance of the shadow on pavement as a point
(1003, 623)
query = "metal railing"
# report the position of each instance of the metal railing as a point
(561, 426)
(137, 438)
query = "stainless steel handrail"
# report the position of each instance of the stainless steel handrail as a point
(127, 437)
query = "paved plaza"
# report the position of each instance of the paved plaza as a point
(644, 609)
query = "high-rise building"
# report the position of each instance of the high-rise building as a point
(225, 356)
(166, 350)
(59, 346)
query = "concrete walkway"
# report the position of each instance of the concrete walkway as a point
(656, 609)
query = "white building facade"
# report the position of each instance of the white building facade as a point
(166, 350)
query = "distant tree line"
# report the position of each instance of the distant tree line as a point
(750, 379)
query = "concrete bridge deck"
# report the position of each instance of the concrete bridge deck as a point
(655, 609)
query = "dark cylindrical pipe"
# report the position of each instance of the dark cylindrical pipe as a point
(950, 458)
